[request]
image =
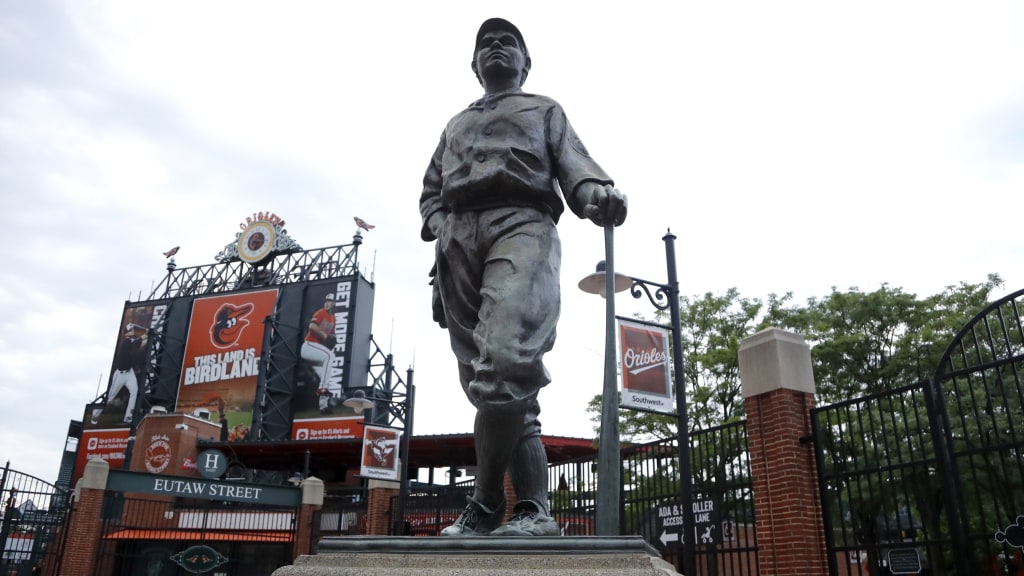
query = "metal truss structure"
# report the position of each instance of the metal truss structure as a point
(284, 268)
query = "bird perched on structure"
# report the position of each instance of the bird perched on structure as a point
(363, 224)
(171, 252)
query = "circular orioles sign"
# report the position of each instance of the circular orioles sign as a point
(256, 242)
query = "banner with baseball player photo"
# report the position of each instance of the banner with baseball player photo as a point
(324, 370)
(646, 377)
(380, 453)
(220, 370)
(139, 323)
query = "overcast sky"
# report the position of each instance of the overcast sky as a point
(790, 146)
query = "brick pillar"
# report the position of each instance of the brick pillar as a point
(312, 500)
(83, 526)
(778, 392)
(378, 506)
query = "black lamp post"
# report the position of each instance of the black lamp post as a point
(664, 297)
(402, 411)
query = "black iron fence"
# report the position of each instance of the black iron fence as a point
(33, 513)
(572, 495)
(723, 501)
(929, 478)
(144, 535)
(342, 514)
(429, 509)
(979, 399)
(879, 478)
(723, 510)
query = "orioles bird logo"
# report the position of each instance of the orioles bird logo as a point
(228, 324)
(382, 450)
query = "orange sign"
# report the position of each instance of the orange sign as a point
(102, 444)
(220, 370)
(327, 428)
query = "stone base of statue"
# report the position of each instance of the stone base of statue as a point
(480, 556)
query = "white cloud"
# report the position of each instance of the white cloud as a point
(789, 146)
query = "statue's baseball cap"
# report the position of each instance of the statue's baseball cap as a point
(500, 24)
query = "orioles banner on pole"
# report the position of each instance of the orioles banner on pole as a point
(646, 377)
(380, 453)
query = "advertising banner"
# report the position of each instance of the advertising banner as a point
(139, 323)
(380, 453)
(101, 444)
(220, 370)
(327, 428)
(323, 374)
(646, 378)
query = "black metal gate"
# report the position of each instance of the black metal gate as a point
(145, 535)
(33, 512)
(929, 478)
(430, 509)
(723, 514)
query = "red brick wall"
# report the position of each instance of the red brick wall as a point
(83, 534)
(304, 530)
(790, 533)
(378, 507)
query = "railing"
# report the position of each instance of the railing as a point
(723, 499)
(287, 268)
(143, 533)
(931, 474)
(33, 512)
(343, 514)
(430, 509)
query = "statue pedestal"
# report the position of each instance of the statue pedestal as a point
(480, 556)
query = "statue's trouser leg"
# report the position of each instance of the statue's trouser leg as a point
(499, 274)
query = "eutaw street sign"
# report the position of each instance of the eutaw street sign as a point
(122, 481)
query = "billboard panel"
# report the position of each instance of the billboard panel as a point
(107, 444)
(646, 379)
(220, 370)
(139, 323)
(327, 428)
(325, 375)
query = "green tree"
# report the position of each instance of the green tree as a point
(868, 342)
(861, 343)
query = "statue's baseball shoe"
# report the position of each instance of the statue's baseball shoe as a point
(475, 520)
(528, 520)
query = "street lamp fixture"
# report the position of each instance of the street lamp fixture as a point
(595, 283)
(359, 402)
(663, 297)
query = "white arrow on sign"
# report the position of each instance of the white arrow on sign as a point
(667, 537)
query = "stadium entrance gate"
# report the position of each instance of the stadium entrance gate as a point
(33, 512)
(929, 478)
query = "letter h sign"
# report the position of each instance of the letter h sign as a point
(212, 464)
